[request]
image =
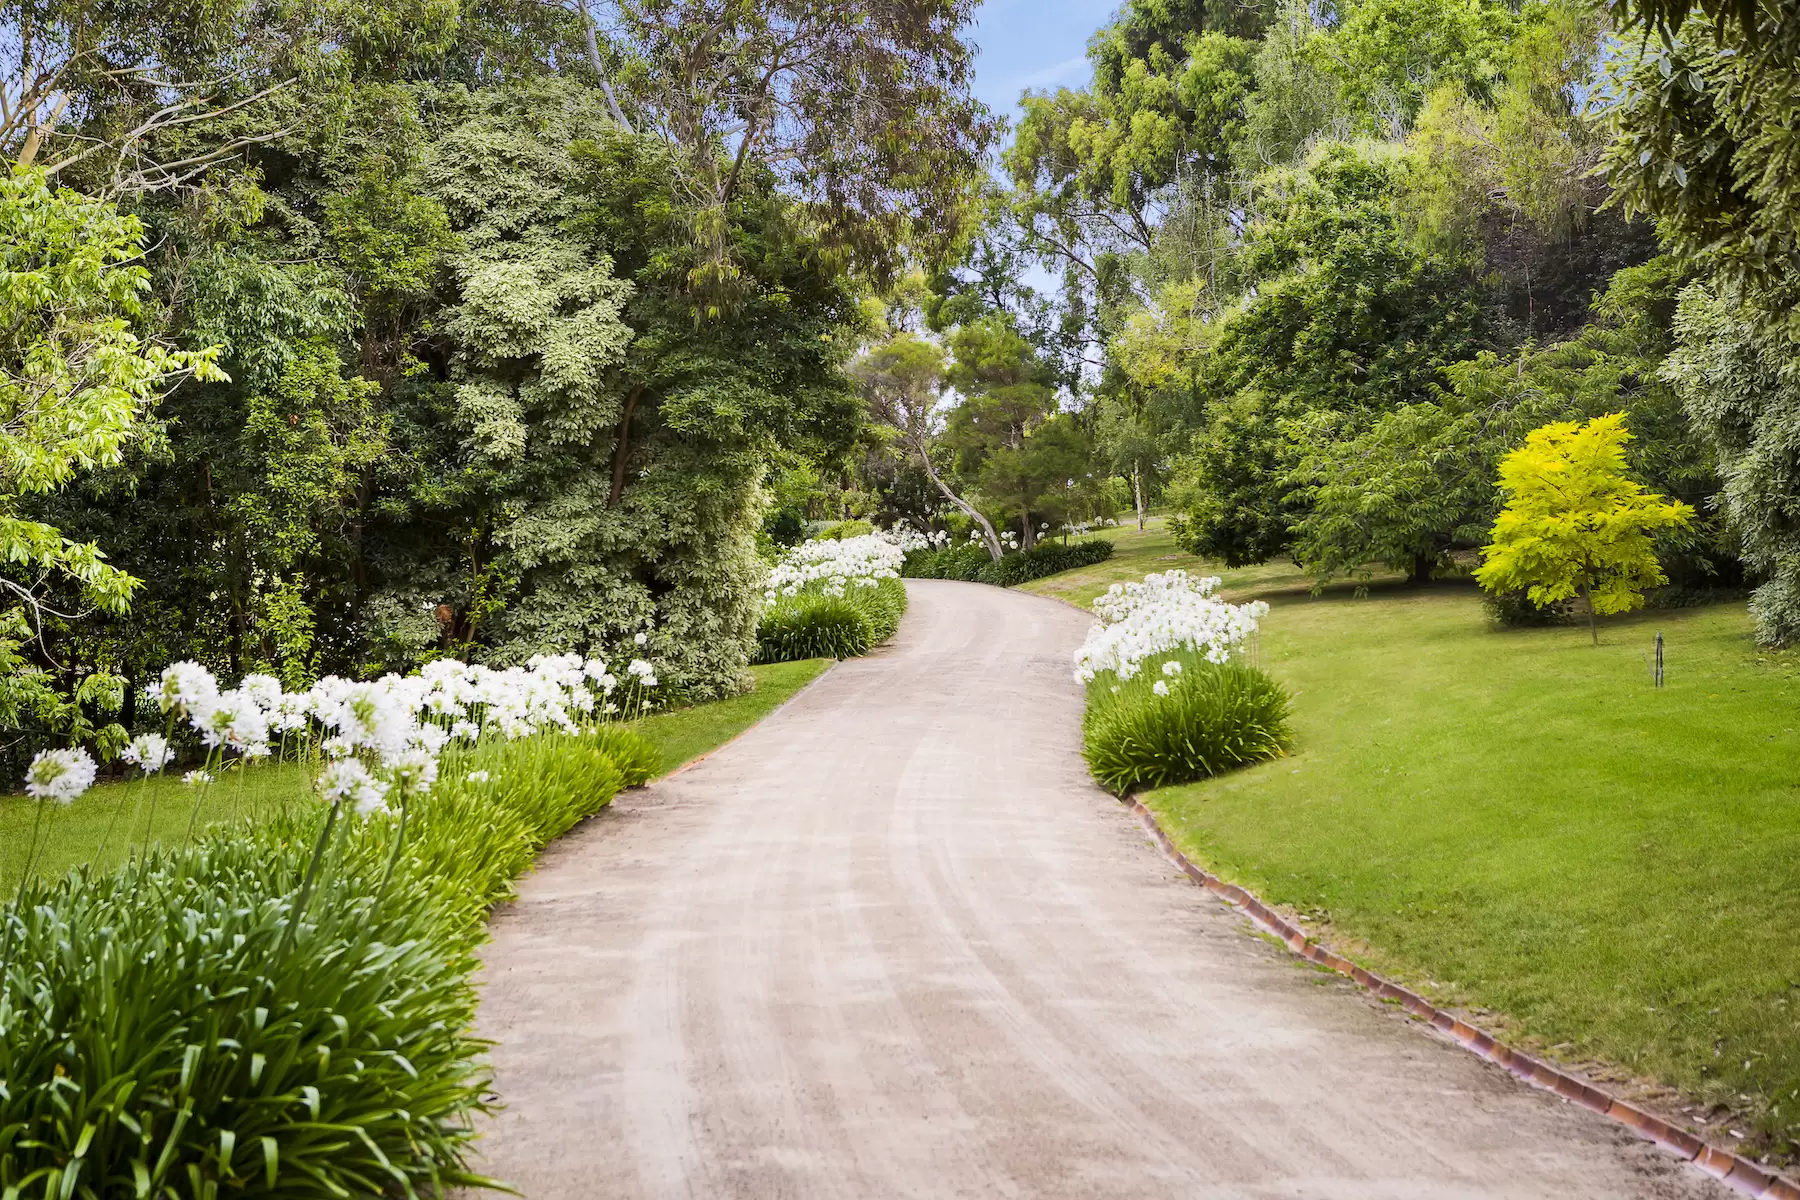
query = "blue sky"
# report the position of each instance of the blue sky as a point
(1033, 44)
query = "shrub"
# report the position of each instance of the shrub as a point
(163, 1033)
(1048, 558)
(1214, 717)
(949, 562)
(885, 603)
(1516, 610)
(973, 564)
(159, 1035)
(812, 625)
(839, 530)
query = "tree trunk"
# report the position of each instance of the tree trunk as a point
(593, 49)
(622, 447)
(1421, 568)
(987, 529)
(1030, 538)
(1587, 594)
(1137, 493)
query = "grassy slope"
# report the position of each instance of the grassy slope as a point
(101, 826)
(1520, 824)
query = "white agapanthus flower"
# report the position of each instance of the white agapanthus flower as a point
(414, 771)
(1171, 668)
(1160, 688)
(348, 782)
(183, 686)
(641, 639)
(832, 567)
(477, 777)
(197, 778)
(1166, 613)
(264, 691)
(231, 719)
(60, 775)
(148, 752)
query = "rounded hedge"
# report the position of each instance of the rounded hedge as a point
(1214, 717)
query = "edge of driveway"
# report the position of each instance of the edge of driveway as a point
(770, 715)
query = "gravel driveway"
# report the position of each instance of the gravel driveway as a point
(892, 942)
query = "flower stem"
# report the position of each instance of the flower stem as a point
(399, 841)
(304, 897)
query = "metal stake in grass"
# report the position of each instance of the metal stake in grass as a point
(1659, 659)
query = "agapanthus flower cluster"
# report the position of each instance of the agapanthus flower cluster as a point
(59, 775)
(387, 734)
(1166, 613)
(831, 567)
(148, 752)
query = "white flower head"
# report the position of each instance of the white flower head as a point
(60, 775)
(1160, 688)
(641, 639)
(196, 778)
(1171, 668)
(347, 781)
(184, 685)
(149, 752)
(477, 777)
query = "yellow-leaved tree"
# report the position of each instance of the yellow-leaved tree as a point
(1575, 523)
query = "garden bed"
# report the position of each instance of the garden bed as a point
(99, 828)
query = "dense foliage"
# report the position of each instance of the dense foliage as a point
(409, 330)
(1323, 268)
(836, 596)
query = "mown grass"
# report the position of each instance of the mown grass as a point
(1521, 825)
(103, 826)
(1135, 555)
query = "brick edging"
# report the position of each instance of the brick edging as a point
(1738, 1172)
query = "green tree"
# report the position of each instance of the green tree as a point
(1387, 55)
(1706, 128)
(76, 382)
(1575, 523)
(1348, 314)
(861, 109)
(902, 379)
(1006, 395)
(1741, 388)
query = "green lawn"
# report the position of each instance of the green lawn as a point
(103, 825)
(1134, 556)
(1521, 825)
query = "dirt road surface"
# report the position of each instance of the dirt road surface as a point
(892, 942)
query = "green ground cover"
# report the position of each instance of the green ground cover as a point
(103, 825)
(1521, 825)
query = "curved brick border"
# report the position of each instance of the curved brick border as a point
(1737, 1171)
